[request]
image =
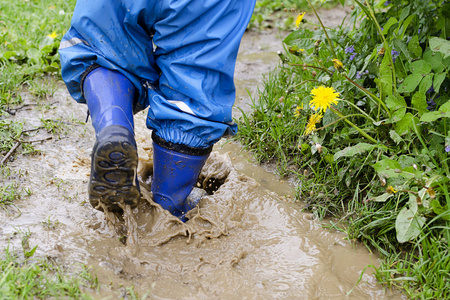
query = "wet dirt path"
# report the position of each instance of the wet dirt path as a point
(245, 241)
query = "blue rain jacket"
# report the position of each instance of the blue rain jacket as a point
(179, 54)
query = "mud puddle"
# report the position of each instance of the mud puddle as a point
(247, 240)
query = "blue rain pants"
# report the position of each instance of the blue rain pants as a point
(179, 54)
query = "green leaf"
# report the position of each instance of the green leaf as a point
(438, 209)
(301, 38)
(398, 115)
(394, 103)
(441, 46)
(34, 55)
(435, 60)
(408, 223)
(406, 24)
(431, 116)
(389, 168)
(419, 102)
(388, 25)
(410, 83)
(438, 79)
(399, 44)
(414, 47)
(386, 76)
(420, 67)
(304, 147)
(46, 41)
(30, 253)
(405, 13)
(406, 161)
(357, 149)
(404, 126)
(382, 197)
(445, 108)
(395, 137)
(398, 106)
(426, 83)
(9, 54)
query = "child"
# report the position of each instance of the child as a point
(175, 56)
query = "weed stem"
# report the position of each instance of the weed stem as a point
(324, 30)
(354, 126)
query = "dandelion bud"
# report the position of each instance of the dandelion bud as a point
(281, 99)
(352, 7)
(311, 193)
(314, 73)
(304, 68)
(315, 28)
(285, 10)
(279, 116)
(337, 63)
(292, 9)
(319, 148)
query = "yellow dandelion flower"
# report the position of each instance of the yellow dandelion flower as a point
(323, 97)
(53, 35)
(337, 63)
(313, 120)
(301, 50)
(391, 190)
(299, 19)
(298, 110)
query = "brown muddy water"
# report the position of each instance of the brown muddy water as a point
(247, 240)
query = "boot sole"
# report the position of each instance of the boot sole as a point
(113, 179)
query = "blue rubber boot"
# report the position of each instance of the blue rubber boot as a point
(175, 172)
(113, 182)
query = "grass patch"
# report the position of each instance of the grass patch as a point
(30, 33)
(41, 279)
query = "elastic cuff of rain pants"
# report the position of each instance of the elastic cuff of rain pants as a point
(85, 74)
(184, 149)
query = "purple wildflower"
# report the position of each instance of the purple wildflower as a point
(366, 71)
(430, 90)
(447, 148)
(431, 105)
(387, 3)
(350, 49)
(352, 57)
(419, 30)
(358, 75)
(394, 54)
